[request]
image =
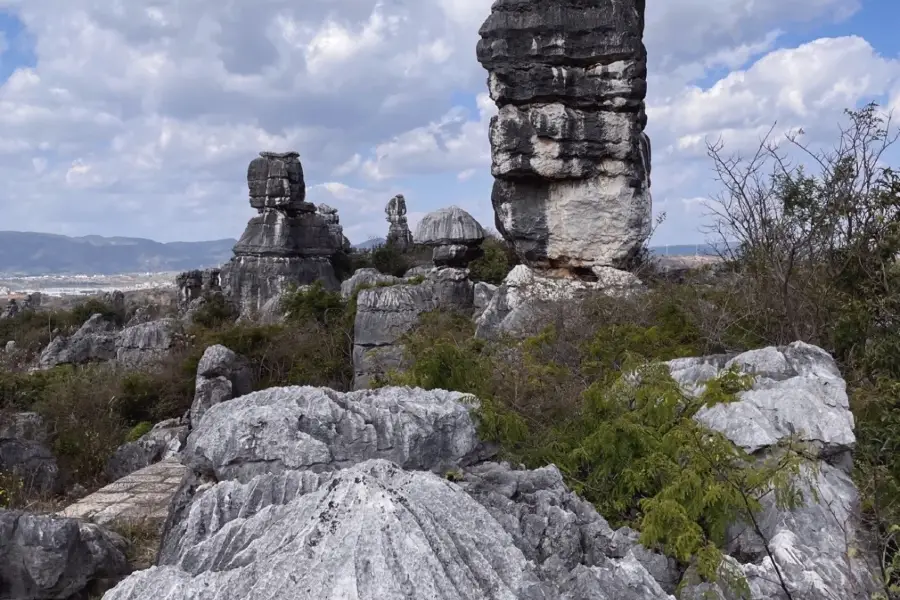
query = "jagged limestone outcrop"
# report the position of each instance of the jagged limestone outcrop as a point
(287, 243)
(569, 155)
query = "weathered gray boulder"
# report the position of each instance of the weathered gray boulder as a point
(798, 390)
(371, 531)
(25, 453)
(528, 297)
(819, 548)
(366, 277)
(44, 556)
(455, 235)
(146, 343)
(385, 314)
(165, 440)
(94, 341)
(569, 155)
(399, 234)
(318, 429)
(221, 375)
(287, 243)
(554, 528)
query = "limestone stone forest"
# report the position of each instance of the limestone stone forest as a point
(541, 412)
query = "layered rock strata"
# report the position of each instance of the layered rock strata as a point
(569, 155)
(329, 214)
(399, 234)
(388, 311)
(196, 284)
(287, 243)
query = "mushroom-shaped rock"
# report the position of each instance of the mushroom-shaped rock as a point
(455, 235)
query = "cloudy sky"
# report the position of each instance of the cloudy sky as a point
(138, 117)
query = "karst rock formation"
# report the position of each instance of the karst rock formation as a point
(288, 242)
(399, 234)
(570, 158)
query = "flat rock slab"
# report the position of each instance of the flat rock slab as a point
(142, 496)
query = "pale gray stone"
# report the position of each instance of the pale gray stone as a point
(371, 531)
(165, 440)
(399, 234)
(517, 305)
(146, 343)
(447, 226)
(366, 277)
(221, 375)
(569, 154)
(94, 341)
(320, 429)
(797, 389)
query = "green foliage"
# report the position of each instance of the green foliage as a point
(497, 262)
(139, 431)
(313, 303)
(445, 355)
(11, 491)
(630, 446)
(85, 310)
(389, 259)
(214, 312)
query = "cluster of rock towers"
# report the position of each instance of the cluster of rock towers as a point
(570, 159)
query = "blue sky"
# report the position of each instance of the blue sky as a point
(139, 119)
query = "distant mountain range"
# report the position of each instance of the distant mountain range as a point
(27, 253)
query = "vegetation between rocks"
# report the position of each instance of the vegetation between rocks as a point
(811, 256)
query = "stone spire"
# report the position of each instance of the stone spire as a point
(288, 242)
(570, 158)
(398, 232)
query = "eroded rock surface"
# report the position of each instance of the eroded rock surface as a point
(569, 155)
(221, 375)
(528, 297)
(330, 215)
(454, 234)
(164, 441)
(287, 243)
(146, 343)
(25, 453)
(44, 556)
(366, 278)
(94, 341)
(819, 546)
(385, 314)
(399, 234)
(318, 429)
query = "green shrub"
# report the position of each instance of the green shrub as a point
(631, 448)
(497, 262)
(390, 260)
(139, 431)
(214, 312)
(313, 303)
(85, 310)
(85, 426)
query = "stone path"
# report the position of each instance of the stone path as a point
(143, 495)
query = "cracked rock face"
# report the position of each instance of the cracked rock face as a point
(288, 242)
(569, 155)
(399, 234)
